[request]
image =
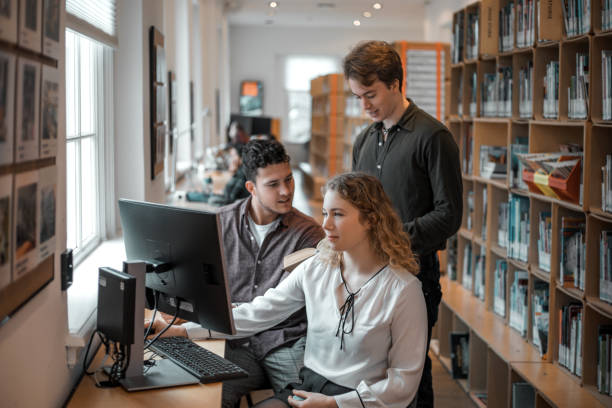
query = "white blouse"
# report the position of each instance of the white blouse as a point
(382, 358)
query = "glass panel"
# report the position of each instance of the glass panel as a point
(299, 116)
(87, 86)
(89, 189)
(71, 81)
(72, 181)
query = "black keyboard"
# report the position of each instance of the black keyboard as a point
(203, 364)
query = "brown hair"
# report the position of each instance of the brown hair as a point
(387, 237)
(372, 60)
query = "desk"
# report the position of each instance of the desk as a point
(194, 182)
(207, 395)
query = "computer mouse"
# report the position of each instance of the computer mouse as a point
(297, 398)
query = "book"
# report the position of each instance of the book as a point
(460, 355)
(523, 395)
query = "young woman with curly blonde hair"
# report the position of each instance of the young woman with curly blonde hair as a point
(367, 321)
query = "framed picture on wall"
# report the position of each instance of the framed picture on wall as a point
(27, 118)
(25, 256)
(30, 24)
(50, 108)
(7, 106)
(157, 78)
(172, 119)
(8, 20)
(51, 28)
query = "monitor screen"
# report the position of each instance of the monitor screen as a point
(182, 248)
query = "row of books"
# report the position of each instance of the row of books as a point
(460, 354)
(525, 15)
(470, 210)
(570, 337)
(605, 266)
(467, 144)
(606, 184)
(578, 91)
(457, 44)
(544, 240)
(466, 278)
(518, 227)
(506, 27)
(518, 302)
(496, 93)
(499, 287)
(473, 94)
(479, 274)
(551, 91)
(484, 212)
(606, 15)
(502, 223)
(540, 315)
(493, 161)
(451, 257)
(576, 17)
(604, 359)
(573, 251)
(471, 51)
(525, 78)
(460, 97)
(606, 84)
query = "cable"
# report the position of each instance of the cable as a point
(155, 299)
(176, 299)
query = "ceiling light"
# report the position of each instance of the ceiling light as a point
(356, 23)
(377, 6)
(273, 4)
(367, 14)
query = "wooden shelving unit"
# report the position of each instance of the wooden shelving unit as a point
(502, 356)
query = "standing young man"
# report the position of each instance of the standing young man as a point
(417, 161)
(258, 233)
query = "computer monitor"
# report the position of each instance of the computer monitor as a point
(184, 256)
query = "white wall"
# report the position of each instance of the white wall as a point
(257, 53)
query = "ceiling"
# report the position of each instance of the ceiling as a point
(324, 13)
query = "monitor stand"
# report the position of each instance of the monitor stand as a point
(165, 373)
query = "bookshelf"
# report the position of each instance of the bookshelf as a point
(511, 348)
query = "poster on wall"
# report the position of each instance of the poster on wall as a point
(47, 199)
(30, 24)
(50, 109)
(6, 190)
(7, 106)
(8, 20)
(25, 255)
(27, 118)
(51, 28)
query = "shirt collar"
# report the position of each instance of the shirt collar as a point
(244, 212)
(405, 122)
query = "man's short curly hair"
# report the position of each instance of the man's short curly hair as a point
(258, 154)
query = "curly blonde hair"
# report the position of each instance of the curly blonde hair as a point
(387, 237)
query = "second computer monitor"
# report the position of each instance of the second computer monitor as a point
(184, 247)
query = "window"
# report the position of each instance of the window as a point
(85, 140)
(298, 73)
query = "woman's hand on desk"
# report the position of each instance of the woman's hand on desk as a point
(160, 324)
(304, 399)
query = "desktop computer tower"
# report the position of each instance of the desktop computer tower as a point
(116, 297)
